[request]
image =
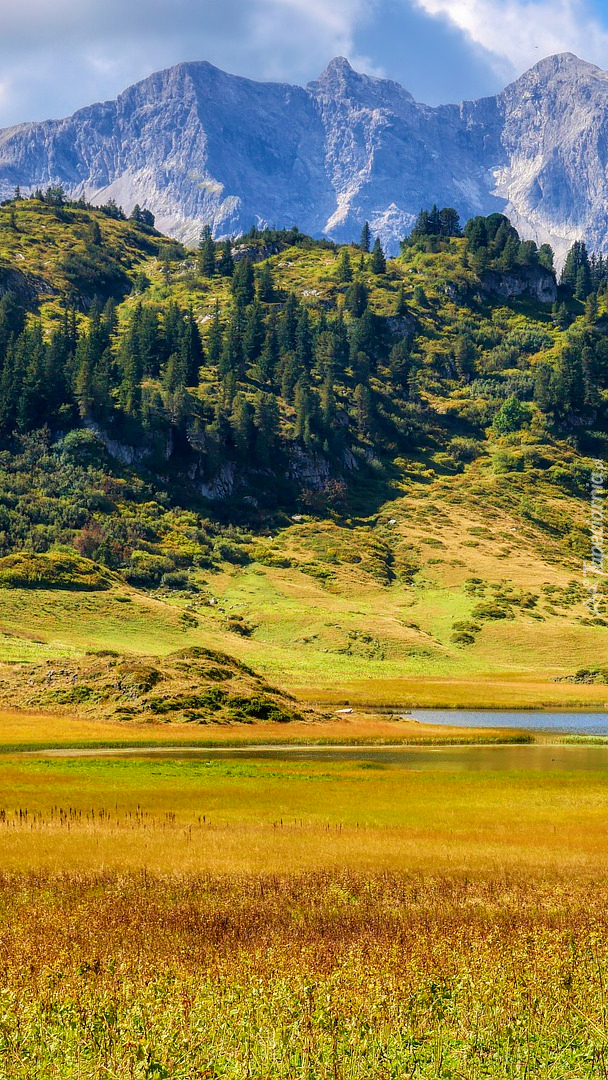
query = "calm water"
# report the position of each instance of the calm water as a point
(527, 758)
(581, 723)
(537, 758)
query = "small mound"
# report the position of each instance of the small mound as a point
(181, 688)
(52, 570)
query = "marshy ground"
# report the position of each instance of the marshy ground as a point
(255, 916)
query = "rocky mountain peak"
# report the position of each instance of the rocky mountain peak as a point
(199, 146)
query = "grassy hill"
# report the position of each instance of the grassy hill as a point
(367, 486)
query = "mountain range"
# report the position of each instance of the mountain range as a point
(198, 146)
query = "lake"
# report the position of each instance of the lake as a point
(580, 723)
(507, 758)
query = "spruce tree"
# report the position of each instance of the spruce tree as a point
(366, 239)
(357, 298)
(264, 370)
(241, 424)
(304, 350)
(401, 306)
(215, 338)
(378, 258)
(226, 263)
(267, 423)
(206, 258)
(363, 410)
(266, 291)
(254, 332)
(243, 283)
(344, 270)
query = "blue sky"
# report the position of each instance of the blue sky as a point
(59, 55)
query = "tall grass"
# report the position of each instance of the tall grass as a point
(317, 975)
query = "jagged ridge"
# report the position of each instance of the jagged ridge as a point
(197, 145)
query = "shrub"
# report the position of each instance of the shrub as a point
(54, 570)
(175, 579)
(492, 611)
(229, 552)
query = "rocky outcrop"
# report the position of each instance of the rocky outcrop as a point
(530, 281)
(199, 146)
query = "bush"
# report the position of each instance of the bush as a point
(229, 552)
(147, 569)
(492, 611)
(175, 579)
(55, 570)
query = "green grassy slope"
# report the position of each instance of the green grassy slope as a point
(443, 567)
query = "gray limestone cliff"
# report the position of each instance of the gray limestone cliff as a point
(196, 145)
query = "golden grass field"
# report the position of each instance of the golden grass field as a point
(259, 916)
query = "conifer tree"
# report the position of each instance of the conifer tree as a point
(378, 258)
(267, 421)
(243, 283)
(304, 341)
(265, 368)
(226, 263)
(253, 332)
(206, 257)
(401, 306)
(344, 270)
(215, 337)
(241, 424)
(363, 410)
(366, 239)
(266, 290)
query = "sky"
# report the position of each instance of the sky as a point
(60, 55)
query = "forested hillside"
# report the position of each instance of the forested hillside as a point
(306, 409)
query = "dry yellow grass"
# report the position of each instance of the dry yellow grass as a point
(256, 814)
(29, 729)
(331, 976)
(489, 691)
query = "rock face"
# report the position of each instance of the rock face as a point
(535, 282)
(198, 146)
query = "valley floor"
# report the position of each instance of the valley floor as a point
(256, 917)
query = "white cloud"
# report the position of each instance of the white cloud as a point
(523, 31)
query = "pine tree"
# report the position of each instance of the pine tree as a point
(192, 349)
(290, 374)
(175, 373)
(266, 290)
(267, 423)
(344, 270)
(304, 347)
(264, 370)
(231, 359)
(592, 308)
(583, 283)
(449, 222)
(546, 256)
(241, 424)
(254, 333)
(303, 406)
(577, 260)
(288, 323)
(328, 405)
(206, 257)
(366, 239)
(401, 306)
(215, 338)
(226, 264)
(243, 283)
(378, 258)
(363, 410)
(357, 298)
